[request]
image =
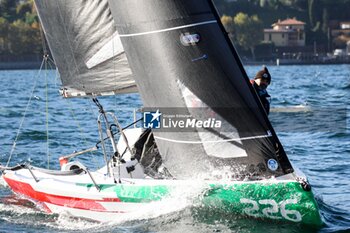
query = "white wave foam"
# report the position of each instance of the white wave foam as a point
(20, 214)
(181, 197)
(66, 222)
(293, 108)
(18, 209)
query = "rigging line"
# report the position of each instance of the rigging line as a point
(81, 131)
(52, 66)
(43, 41)
(52, 61)
(25, 112)
(114, 64)
(122, 129)
(76, 121)
(168, 29)
(69, 103)
(215, 141)
(96, 115)
(47, 114)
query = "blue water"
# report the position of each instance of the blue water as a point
(310, 112)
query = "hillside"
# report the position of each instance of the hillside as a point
(20, 33)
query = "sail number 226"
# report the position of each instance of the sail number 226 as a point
(271, 209)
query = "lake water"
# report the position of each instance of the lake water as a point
(310, 112)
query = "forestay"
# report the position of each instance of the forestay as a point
(86, 47)
(182, 58)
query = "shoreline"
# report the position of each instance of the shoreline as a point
(35, 65)
(295, 62)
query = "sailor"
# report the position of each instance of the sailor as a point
(260, 83)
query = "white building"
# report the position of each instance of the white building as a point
(289, 32)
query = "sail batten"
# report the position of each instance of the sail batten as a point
(214, 141)
(169, 29)
(111, 49)
(86, 47)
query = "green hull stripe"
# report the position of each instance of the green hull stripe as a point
(134, 193)
(280, 201)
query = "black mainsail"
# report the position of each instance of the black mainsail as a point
(180, 54)
(86, 47)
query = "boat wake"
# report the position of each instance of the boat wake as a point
(179, 212)
(180, 198)
(291, 109)
(15, 209)
(33, 217)
(19, 211)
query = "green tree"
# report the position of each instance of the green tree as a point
(249, 31)
(228, 23)
(8, 9)
(23, 8)
(4, 29)
(19, 28)
(25, 39)
(31, 18)
(275, 4)
(313, 16)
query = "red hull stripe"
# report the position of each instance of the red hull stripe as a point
(71, 202)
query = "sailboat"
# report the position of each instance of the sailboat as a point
(177, 55)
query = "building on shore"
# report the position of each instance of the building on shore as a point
(340, 36)
(286, 33)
